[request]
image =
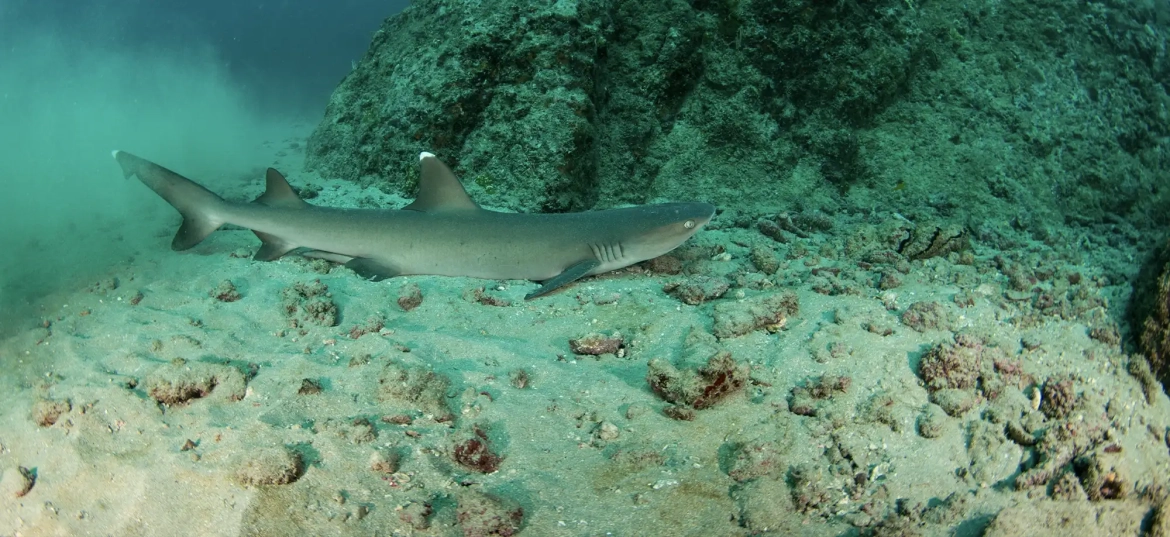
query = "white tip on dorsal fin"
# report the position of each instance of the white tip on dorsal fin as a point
(438, 188)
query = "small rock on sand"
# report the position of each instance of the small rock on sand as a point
(16, 482)
(269, 466)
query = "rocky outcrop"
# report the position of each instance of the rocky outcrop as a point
(944, 110)
(1150, 316)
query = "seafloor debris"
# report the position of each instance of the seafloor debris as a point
(416, 514)
(805, 399)
(955, 373)
(487, 298)
(769, 311)
(269, 466)
(755, 459)
(225, 292)
(420, 388)
(520, 378)
(46, 412)
(596, 344)
(309, 387)
(1059, 398)
(485, 515)
(923, 316)
(385, 461)
(181, 381)
(17, 482)
(697, 290)
(309, 303)
(409, 296)
(933, 240)
(698, 388)
(373, 325)
(475, 452)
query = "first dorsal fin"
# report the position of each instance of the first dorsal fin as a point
(438, 188)
(278, 193)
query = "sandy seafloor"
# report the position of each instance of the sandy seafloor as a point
(369, 439)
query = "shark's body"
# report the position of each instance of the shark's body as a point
(442, 232)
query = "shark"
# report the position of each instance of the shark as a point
(441, 232)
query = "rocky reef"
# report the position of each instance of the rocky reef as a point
(1150, 315)
(955, 112)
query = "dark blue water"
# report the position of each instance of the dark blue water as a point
(284, 55)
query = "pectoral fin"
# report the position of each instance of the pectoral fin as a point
(372, 269)
(570, 275)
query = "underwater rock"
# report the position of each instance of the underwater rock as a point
(959, 365)
(806, 400)
(595, 344)
(309, 304)
(181, 381)
(225, 292)
(522, 97)
(755, 459)
(933, 240)
(46, 412)
(1151, 314)
(420, 388)
(1058, 397)
(269, 466)
(373, 325)
(409, 296)
(769, 311)
(923, 316)
(475, 452)
(485, 515)
(1058, 519)
(16, 482)
(698, 388)
(697, 290)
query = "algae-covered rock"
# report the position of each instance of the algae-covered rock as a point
(418, 388)
(181, 381)
(1062, 519)
(309, 303)
(584, 103)
(698, 388)
(770, 311)
(1151, 315)
(269, 466)
(669, 93)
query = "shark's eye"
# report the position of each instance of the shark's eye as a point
(689, 224)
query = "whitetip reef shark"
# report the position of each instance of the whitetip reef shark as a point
(442, 232)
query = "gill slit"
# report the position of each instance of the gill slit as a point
(608, 252)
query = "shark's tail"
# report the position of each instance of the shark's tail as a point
(200, 207)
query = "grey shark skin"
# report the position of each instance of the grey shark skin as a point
(443, 232)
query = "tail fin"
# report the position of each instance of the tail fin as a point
(197, 204)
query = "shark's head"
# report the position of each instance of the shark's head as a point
(662, 228)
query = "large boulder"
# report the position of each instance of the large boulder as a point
(966, 112)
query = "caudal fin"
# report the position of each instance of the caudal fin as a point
(200, 207)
